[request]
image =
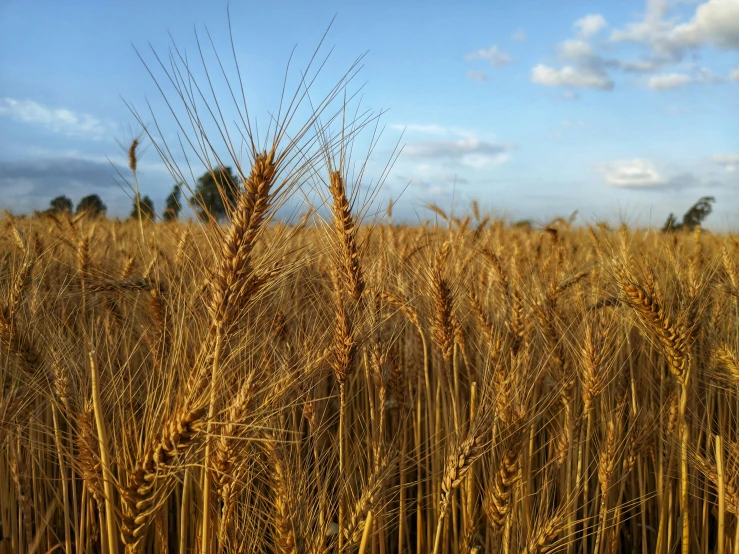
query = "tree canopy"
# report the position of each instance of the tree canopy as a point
(692, 218)
(92, 205)
(61, 204)
(698, 212)
(172, 205)
(216, 189)
(147, 209)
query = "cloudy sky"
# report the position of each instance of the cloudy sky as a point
(623, 110)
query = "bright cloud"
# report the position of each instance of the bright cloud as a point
(729, 162)
(575, 49)
(570, 76)
(56, 120)
(715, 22)
(666, 40)
(634, 173)
(471, 152)
(590, 24)
(649, 29)
(647, 65)
(669, 81)
(726, 158)
(494, 55)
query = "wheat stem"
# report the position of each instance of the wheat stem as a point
(112, 540)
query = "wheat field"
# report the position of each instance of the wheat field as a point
(449, 388)
(337, 382)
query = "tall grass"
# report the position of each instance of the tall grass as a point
(341, 385)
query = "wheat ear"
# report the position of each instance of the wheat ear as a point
(459, 463)
(144, 491)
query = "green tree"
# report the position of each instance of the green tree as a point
(693, 217)
(147, 209)
(172, 204)
(216, 189)
(92, 205)
(672, 224)
(698, 212)
(61, 204)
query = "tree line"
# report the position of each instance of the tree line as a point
(215, 192)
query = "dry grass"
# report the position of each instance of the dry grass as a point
(569, 422)
(339, 385)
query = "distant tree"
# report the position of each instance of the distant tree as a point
(213, 188)
(172, 205)
(698, 212)
(672, 224)
(61, 204)
(92, 205)
(147, 209)
(693, 217)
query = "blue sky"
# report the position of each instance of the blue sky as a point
(621, 110)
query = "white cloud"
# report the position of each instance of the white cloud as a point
(640, 173)
(647, 30)
(471, 152)
(657, 9)
(634, 173)
(583, 67)
(669, 81)
(729, 162)
(575, 49)
(640, 66)
(666, 37)
(519, 36)
(726, 158)
(590, 24)
(569, 76)
(57, 120)
(479, 76)
(715, 22)
(494, 55)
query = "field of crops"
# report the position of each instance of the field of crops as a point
(308, 375)
(326, 387)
